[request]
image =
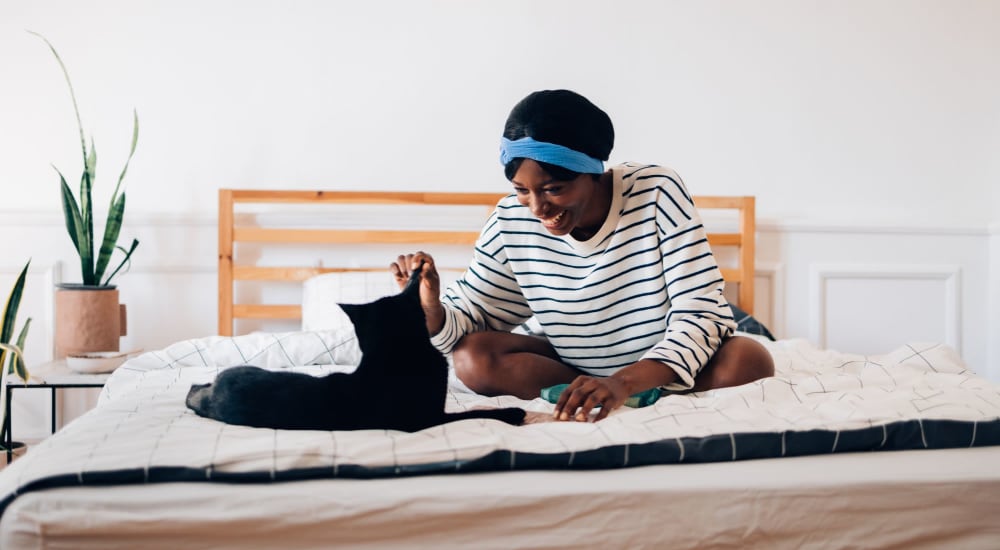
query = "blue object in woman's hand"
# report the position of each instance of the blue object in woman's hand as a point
(641, 399)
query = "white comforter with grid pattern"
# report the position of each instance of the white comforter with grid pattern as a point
(821, 401)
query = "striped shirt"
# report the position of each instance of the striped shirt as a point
(645, 286)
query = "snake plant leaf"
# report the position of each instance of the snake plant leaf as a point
(92, 162)
(116, 213)
(71, 211)
(72, 95)
(20, 369)
(10, 309)
(111, 229)
(87, 212)
(79, 230)
(125, 260)
(4, 349)
(135, 139)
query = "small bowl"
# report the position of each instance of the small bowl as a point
(96, 361)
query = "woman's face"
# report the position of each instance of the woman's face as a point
(578, 206)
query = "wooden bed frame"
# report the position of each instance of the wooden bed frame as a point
(230, 234)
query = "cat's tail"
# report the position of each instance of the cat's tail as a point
(510, 415)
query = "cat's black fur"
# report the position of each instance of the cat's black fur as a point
(399, 385)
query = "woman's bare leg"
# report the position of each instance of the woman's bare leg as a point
(503, 363)
(739, 360)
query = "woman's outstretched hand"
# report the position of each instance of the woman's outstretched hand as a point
(430, 286)
(587, 392)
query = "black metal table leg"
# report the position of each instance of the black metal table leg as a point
(8, 428)
(53, 410)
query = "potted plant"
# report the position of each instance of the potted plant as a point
(11, 358)
(88, 315)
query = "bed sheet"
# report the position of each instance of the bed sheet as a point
(915, 397)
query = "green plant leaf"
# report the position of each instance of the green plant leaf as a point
(72, 95)
(3, 377)
(91, 166)
(87, 213)
(77, 229)
(10, 309)
(116, 215)
(128, 254)
(7, 330)
(135, 139)
(20, 369)
(71, 212)
(111, 229)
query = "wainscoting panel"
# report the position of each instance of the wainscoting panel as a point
(860, 307)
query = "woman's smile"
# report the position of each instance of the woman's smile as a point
(553, 221)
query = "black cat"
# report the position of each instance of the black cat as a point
(399, 385)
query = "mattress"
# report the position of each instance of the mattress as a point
(900, 499)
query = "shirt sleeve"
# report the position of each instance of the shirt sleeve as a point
(487, 297)
(699, 317)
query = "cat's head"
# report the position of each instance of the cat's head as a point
(389, 320)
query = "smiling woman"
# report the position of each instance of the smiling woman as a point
(614, 264)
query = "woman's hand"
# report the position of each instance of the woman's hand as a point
(585, 393)
(430, 286)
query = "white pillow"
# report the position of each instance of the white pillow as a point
(321, 295)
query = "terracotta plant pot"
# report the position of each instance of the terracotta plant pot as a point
(88, 319)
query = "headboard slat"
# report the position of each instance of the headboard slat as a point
(725, 239)
(267, 311)
(253, 273)
(352, 236)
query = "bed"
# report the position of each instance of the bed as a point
(837, 450)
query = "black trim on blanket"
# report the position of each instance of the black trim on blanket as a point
(903, 435)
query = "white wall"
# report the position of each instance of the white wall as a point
(853, 110)
(867, 130)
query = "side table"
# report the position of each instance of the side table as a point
(53, 376)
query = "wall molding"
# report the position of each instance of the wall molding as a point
(36, 218)
(861, 227)
(16, 218)
(171, 268)
(819, 274)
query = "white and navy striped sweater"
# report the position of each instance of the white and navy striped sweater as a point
(645, 286)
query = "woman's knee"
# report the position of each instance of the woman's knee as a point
(740, 360)
(756, 361)
(475, 362)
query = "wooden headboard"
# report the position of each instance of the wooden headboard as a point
(231, 233)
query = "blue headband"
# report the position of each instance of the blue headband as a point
(549, 152)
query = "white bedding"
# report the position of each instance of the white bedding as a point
(918, 396)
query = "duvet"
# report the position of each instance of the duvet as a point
(820, 401)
